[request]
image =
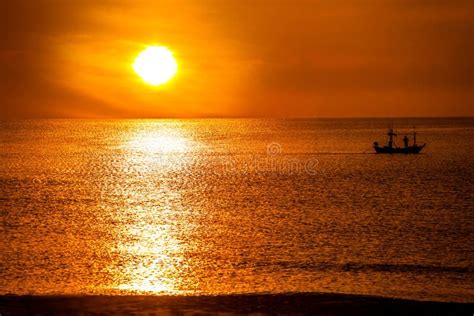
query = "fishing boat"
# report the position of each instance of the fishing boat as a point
(391, 148)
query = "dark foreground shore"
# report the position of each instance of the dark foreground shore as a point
(294, 304)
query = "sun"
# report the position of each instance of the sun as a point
(155, 65)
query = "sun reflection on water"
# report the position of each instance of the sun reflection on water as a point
(149, 219)
(153, 258)
(163, 141)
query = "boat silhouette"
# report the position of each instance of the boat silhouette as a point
(391, 148)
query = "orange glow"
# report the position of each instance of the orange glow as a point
(328, 60)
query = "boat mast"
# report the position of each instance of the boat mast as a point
(414, 135)
(390, 136)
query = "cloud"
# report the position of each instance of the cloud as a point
(321, 50)
(29, 60)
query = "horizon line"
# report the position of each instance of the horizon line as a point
(236, 117)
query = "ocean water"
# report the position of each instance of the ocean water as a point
(236, 206)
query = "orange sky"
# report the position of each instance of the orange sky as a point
(283, 58)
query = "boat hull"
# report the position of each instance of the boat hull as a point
(399, 150)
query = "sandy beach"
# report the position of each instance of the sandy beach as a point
(285, 304)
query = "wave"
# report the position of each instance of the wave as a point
(368, 267)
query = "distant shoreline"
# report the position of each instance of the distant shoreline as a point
(302, 304)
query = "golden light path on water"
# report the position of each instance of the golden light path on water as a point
(163, 141)
(148, 237)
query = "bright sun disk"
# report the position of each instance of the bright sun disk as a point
(155, 65)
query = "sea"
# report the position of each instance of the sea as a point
(236, 206)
